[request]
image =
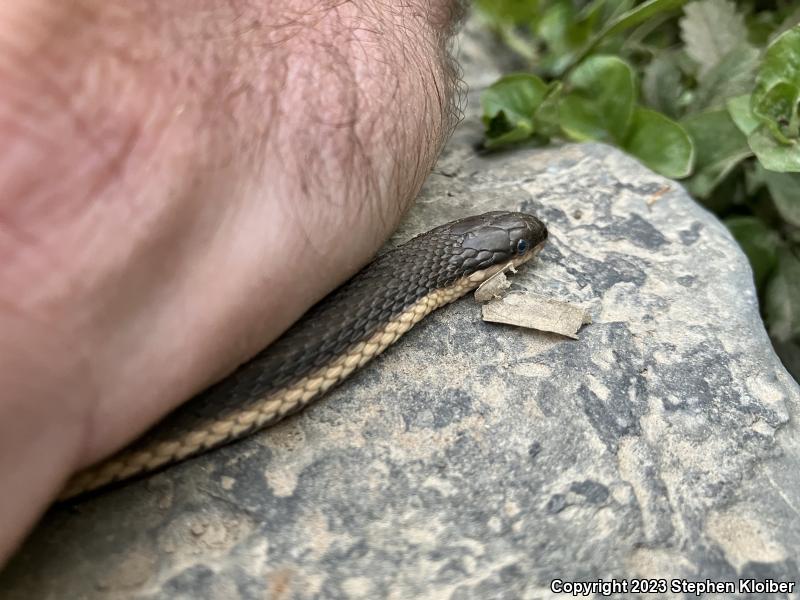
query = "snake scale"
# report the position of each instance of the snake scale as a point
(341, 333)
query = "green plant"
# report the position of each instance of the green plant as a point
(705, 91)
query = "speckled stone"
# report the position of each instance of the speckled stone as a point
(474, 460)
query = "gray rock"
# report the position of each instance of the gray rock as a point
(473, 460)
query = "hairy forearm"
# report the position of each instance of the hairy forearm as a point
(178, 183)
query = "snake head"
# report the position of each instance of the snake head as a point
(494, 239)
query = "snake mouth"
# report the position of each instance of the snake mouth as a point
(479, 277)
(536, 250)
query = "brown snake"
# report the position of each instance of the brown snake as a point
(341, 333)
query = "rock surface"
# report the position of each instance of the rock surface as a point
(475, 460)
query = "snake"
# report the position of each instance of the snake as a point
(335, 337)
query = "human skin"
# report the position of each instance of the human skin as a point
(179, 181)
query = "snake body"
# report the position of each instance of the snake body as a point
(341, 333)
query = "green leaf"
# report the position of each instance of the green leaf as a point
(777, 93)
(626, 20)
(791, 19)
(759, 243)
(564, 32)
(782, 306)
(660, 143)
(776, 109)
(739, 109)
(719, 148)
(711, 29)
(553, 25)
(785, 191)
(509, 105)
(733, 75)
(754, 179)
(781, 62)
(772, 154)
(602, 99)
(662, 85)
(612, 10)
(509, 11)
(546, 119)
(760, 26)
(517, 40)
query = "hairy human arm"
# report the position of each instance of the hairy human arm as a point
(178, 183)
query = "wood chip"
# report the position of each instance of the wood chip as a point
(535, 311)
(493, 288)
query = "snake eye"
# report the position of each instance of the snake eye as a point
(522, 245)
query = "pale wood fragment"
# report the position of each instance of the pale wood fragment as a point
(535, 311)
(493, 288)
